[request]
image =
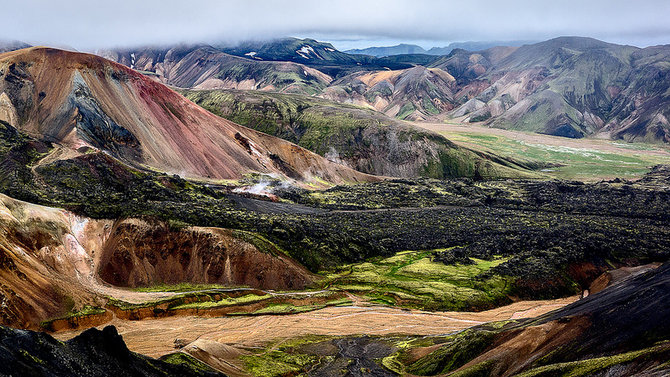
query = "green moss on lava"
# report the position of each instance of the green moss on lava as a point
(413, 279)
(543, 228)
(188, 361)
(600, 364)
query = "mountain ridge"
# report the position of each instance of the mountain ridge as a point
(87, 101)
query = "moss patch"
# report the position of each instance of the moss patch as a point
(413, 279)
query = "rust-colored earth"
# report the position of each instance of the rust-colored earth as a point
(50, 257)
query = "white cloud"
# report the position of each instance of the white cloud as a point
(90, 24)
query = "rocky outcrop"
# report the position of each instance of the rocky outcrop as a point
(92, 353)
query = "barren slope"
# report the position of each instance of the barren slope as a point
(414, 93)
(567, 86)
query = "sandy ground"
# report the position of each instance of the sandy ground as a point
(603, 145)
(155, 337)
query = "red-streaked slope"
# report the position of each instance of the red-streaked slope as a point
(84, 100)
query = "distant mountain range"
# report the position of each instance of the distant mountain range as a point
(400, 49)
(475, 46)
(403, 49)
(567, 86)
(7, 45)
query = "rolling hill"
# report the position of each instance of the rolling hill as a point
(85, 102)
(359, 137)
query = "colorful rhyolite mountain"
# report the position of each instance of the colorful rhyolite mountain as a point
(83, 101)
(568, 86)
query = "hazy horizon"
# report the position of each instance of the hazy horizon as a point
(86, 25)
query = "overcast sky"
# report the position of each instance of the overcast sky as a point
(89, 24)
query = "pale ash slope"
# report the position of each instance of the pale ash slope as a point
(84, 100)
(413, 94)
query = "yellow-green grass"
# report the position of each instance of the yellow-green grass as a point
(181, 287)
(582, 159)
(226, 301)
(287, 308)
(413, 279)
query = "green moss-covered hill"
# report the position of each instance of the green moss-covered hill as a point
(361, 138)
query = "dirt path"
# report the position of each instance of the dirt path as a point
(155, 337)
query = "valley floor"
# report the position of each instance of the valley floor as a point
(587, 159)
(225, 339)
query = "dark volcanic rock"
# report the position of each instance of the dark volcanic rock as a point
(355, 357)
(621, 331)
(93, 353)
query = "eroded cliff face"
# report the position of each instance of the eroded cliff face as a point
(53, 262)
(141, 253)
(46, 261)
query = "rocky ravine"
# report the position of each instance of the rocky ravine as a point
(54, 261)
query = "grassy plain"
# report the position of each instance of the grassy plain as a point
(587, 159)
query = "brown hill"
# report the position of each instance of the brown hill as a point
(52, 261)
(414, 93)
(81, 100)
